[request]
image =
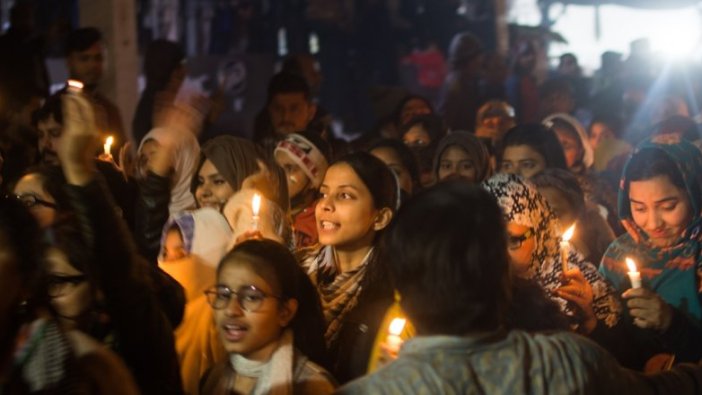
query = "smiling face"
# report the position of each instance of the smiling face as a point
(346, 214)
(522, 160)
(456, 163)
(212, 189)
(660, 208)
(252, 334)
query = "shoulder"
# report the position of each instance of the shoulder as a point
(313, 379)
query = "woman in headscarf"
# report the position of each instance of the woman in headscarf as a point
(535, 253)
(660, 199)
(462, 155)
(184, 151)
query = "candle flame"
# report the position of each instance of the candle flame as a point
(631, 265)
(569, 233)
(75, 84)
(109, 140)
(256, 204)
(396, 326)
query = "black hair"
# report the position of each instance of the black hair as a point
(432, 123)
(451, 267)
(20, 236)
(81, 39)
(376, 176)
(611, 120)
(409, 161)
(537, 136)
(52, 107)
(286, 82)
(277, 265)
(53, 182)
(678, 124)
(566, 182)
(397, 114)
(650, 163)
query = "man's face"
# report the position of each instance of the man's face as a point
(87, 66)
(290, 112)
(49, 139)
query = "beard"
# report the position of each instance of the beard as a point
(49, 157)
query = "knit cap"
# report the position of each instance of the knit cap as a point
(306, 155)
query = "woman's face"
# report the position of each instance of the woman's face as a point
(522, 160)
(390, 157)
(30, 190)
(252, 334)
(521, 247)
(212, 189)
(70, 292)
(559, 204)
(660, 208)
(600, 132)
(572, 147)
(173, 247)
(296, 178)
(456, 163)
(345, 213)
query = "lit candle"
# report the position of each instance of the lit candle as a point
(256, 208)
(634, 274)
(565, 246)
(108, 144)
(74, 86)
(394, 341)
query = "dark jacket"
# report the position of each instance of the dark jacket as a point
(143, 335)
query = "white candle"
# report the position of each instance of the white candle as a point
(255, 207)
(634, 274)
(108, 144)
(393, 341)
(565, 246)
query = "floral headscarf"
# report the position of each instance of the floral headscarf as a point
(673, 272)
(522, 204)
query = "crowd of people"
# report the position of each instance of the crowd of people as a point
(431, 255)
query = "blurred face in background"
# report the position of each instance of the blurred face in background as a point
(290, 112)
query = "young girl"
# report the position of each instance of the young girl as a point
(269, 320)
(304, 158)
(460, 155)
(358, 197)
(659, 204)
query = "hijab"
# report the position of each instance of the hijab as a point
(673, 272)
(472, 146)
(522, 204)
(186, 151)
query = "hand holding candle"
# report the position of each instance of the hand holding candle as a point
(255, 208)
(565, 246)
(108, 145)
(393, 341)
(634, 275)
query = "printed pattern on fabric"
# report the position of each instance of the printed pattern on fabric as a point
(522, 204)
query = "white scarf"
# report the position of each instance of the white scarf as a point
(275, 376)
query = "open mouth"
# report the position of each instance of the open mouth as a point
(234, 332)
(328, 225)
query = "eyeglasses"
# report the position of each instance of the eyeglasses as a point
(30, 201)
(60, 285)
(515, 242)
(249, 297)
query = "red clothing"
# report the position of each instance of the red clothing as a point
(431, 67)
(305, 227)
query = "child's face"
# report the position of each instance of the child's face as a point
(173, 247)
(346, 215)
(297, 179)
(252, 334)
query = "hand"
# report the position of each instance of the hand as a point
(648, 309)
(249, 235)
(80, 139)
(579, 291)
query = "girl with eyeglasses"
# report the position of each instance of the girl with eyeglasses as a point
(534, 250)
(358, 197)
(270, 322)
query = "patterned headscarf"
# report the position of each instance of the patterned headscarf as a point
(674, 271)
(522, 204)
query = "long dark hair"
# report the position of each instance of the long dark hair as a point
(277, 265)
(540, 138)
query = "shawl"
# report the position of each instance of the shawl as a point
(338, 292)
(186, 153)
(672, 272)
(274, 376)
(522, 204)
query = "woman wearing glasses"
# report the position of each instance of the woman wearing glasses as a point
(583, 295)
(41, 191)
(270, 322)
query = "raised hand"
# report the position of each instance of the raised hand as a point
(579, 291)
(80, 139)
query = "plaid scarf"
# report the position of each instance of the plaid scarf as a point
(338, 292)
